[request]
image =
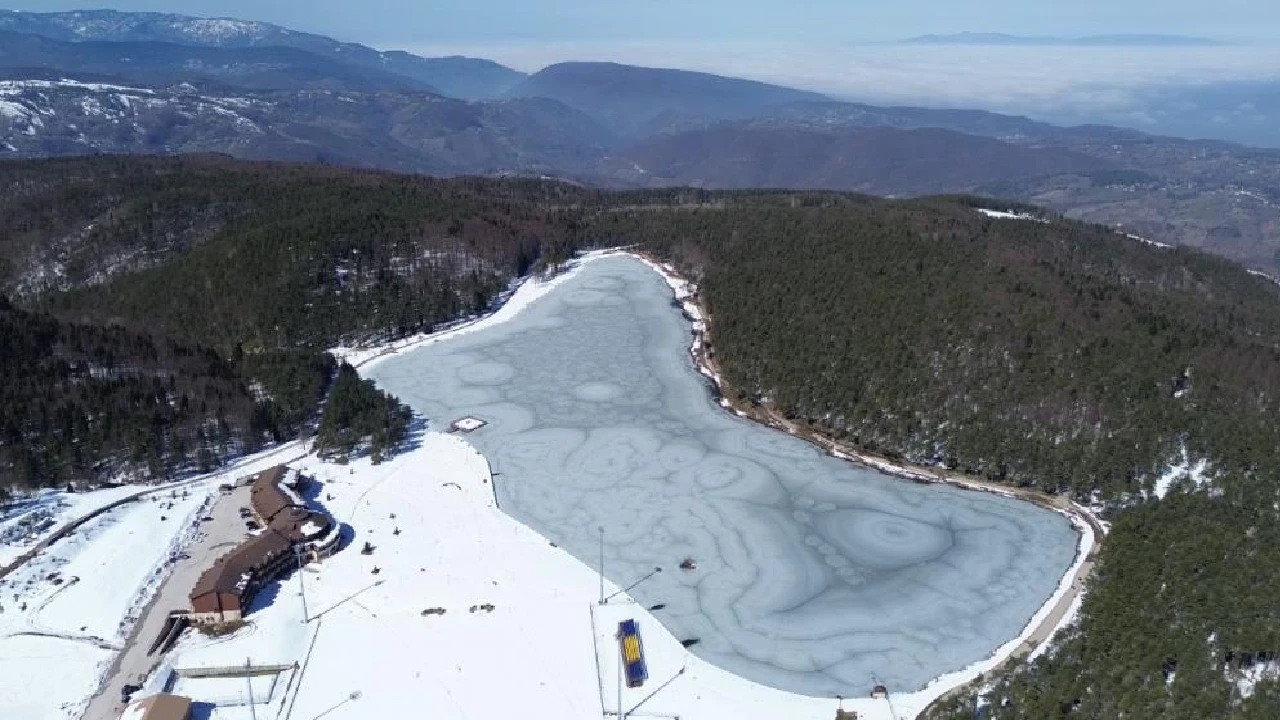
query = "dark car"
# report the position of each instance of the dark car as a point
(127, 692)
(251, 525)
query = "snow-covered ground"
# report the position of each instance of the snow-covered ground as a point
(69, 609)
(370, 636)
(1195, 474)
(1010, 215)
(65, 613)
(26, 522)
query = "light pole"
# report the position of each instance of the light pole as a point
(302, 588)
(602, 598)
(248, 680)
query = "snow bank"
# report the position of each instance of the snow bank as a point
(522, 293)
(1010, 215)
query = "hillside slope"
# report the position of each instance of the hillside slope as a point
(260, 267)
(460, 77)
(1048, 353)
(879, 160)
(640, 101)
(87, 403)
(163, 63)
(411, 132)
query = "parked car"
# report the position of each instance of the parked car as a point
(127, 691)
(251, 525)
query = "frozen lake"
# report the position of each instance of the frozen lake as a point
(813, 575)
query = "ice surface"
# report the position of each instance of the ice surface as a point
(812, 575)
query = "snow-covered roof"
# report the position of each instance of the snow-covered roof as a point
(467, 424)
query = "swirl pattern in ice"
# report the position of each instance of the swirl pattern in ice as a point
(813, 575)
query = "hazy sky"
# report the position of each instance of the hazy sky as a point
(399, 23)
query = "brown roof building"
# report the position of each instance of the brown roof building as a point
(159, 707)
(223, 592)
(267, 495)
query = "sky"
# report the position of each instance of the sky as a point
(401, 23)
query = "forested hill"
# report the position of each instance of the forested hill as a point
(251, 269)
(1039, 352)
(1050, 353)
(89, 403)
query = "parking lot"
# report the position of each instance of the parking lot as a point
(222, 530)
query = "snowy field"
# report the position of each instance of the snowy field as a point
(28, 521)
(65, 614)
(67, 611)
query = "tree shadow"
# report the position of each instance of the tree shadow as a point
(418, 426)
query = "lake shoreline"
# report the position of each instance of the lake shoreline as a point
(1055, 614)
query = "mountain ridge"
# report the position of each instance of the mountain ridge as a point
(641, 101)
(456, 76)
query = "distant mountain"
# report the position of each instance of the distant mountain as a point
(101, 81)
(1138, 40)
(880, 160)
(164, 63)
(411, 132)
(1216, 196)
(639, 101)
(466, 78)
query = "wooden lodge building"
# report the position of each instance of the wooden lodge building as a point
(159, 707)
(292, 533)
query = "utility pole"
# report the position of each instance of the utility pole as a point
(302, 587)
(248, 680)
(602, 599)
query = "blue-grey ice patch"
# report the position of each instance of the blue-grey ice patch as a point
(812, 575)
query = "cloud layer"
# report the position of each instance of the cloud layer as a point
(1066, 84)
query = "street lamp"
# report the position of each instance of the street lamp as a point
(602, 598)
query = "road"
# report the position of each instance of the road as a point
(133, 665)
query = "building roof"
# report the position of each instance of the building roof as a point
(233, 571)
(267, 496)
(289, 523)
(159, 707)
(299, 525)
